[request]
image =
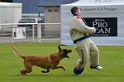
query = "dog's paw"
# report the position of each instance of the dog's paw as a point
(22, 72)
(45, 71)
(64, 68)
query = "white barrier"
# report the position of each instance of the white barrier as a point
(39, 33)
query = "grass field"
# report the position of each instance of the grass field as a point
(111, 58)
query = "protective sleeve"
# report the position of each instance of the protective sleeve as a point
(82, 28)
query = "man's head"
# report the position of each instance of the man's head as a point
(75, 10)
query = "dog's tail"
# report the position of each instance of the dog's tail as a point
(17, 52)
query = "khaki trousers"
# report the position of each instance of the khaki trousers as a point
(87, 51)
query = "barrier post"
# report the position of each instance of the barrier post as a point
(39, 32)
(33, 32)
(12, 36)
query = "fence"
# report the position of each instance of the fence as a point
(35, 32)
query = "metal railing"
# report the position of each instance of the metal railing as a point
(43, 32)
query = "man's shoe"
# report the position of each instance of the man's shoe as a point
(77, 74)
(96, 67)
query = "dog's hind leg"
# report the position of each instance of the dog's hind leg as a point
(28, 68)
(45, 71)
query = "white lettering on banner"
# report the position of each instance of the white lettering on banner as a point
(102, 26)
(101, 1)
(104, 30)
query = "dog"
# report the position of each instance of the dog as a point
(47, 62)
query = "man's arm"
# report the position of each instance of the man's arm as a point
(83, 28)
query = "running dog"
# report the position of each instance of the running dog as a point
(47, 62)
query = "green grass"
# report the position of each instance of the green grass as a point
(111, 58)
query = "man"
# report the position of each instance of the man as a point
(85, 48)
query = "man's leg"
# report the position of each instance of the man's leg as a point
(94, 57)
(83, 57)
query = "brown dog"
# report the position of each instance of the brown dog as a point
(47, 62)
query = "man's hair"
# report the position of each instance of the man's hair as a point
(74, 9)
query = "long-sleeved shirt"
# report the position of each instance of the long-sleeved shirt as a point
(78, 28)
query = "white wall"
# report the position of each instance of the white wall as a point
(10, 12)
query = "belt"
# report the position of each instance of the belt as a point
(80, 39)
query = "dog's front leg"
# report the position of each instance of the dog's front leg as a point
(57, 67)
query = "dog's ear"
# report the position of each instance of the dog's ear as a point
(59, 48)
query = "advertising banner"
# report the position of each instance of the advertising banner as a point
(19, 33)
(105, 26)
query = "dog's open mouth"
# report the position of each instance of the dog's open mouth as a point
(69, 51)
